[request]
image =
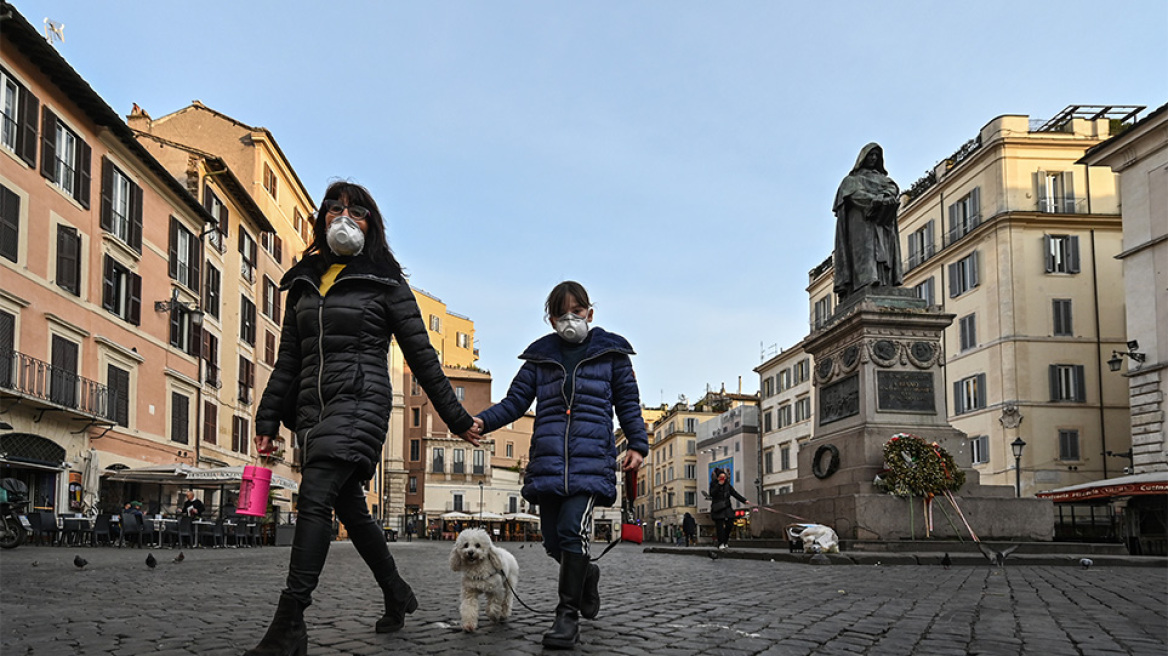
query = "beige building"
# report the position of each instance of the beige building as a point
(451, 334)
(1019, 241)
(642, 504)
(675, 474)
(1140, 157)
(730, 441)
(671, 470)
(243, 179)
(786, 402)
(240, 304)
(99, 270)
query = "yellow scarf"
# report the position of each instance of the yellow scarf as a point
(330, 277)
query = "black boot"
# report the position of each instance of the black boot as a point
(287, 635)
(399, 600)
(565, 630)
(590, 602)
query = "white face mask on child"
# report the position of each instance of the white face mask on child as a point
(572, 328)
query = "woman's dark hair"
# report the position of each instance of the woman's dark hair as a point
(555, 300)
(376, 247)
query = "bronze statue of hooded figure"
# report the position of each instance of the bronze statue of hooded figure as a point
(867, 243)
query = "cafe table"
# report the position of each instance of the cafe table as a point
(74, 526)
(159, 524)
(199, 524)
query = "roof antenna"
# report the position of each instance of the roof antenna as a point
(54, 31)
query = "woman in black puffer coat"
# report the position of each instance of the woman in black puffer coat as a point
(721, 510)
(331, 387)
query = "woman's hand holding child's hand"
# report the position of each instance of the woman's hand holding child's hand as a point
(475, 433)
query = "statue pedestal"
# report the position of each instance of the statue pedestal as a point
(878, 373)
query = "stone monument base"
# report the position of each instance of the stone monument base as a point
(992, 512)
(877, 373)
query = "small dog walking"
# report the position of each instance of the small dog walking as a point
(486, 569)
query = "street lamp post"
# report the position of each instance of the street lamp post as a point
(480, 502)
(1016, 446)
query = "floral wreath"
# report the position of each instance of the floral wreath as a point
(916, 468)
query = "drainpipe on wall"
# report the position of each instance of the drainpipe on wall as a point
(1098, 349)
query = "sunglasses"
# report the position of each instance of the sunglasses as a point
(337, 207)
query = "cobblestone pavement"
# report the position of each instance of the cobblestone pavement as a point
(219, 601)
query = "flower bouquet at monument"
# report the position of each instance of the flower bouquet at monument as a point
(916, 468)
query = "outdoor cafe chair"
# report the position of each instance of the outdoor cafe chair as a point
(180, 530)
(44, 524)
(213, 534)
(132, 529)
(255, 533)
(101, 527)
(75, 530)
(242, 532)
(249, 532)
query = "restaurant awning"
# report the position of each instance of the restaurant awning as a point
(1123, 486)
(521, 517)
(172, 474)
(456, 516)
(186, 475)
(226, 475)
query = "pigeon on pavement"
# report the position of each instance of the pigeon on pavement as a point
(150, 561)
(998, 558)
(946, 561)
(1086, 563)
(80, 562)
(179, 558)
(714, 555)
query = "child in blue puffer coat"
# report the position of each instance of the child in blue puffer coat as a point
(578, 376)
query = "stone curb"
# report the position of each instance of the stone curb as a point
(933, 559)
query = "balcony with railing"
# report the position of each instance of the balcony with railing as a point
(963, 227)
(52, 388)
(919, 257)
(247, 270)
(1062, 205)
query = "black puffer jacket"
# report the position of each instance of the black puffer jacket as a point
(331, 382)
(720, 493)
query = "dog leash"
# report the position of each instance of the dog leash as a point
(517, 598)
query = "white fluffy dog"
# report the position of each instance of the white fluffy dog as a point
(486, 569)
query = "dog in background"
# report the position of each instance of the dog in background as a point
(486, 569)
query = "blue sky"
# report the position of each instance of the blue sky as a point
(678, 158)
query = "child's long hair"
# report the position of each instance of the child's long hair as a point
(559, 295)
(376, 246)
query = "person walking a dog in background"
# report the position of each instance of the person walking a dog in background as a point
(331, 386)
(721, 510)
(577, 377)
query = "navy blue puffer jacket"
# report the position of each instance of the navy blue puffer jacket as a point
(573, 450)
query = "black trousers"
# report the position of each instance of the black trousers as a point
(325, 487)
(722, 530)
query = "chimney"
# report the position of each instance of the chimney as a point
(139, 119)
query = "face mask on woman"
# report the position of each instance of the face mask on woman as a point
(572, 328)
(345, 237)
